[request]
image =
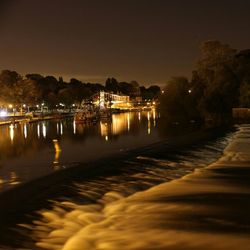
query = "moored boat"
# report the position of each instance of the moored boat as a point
(85, 116)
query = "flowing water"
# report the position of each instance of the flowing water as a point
(100, 212)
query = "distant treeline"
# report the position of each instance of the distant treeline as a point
(219, 82)
(35, 88)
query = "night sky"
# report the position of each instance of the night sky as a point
(144, 40)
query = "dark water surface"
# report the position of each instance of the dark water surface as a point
(28, 151)
(86, 212)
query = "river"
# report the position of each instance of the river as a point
(28, 151)
(99, 211)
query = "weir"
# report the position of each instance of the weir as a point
(111, 179)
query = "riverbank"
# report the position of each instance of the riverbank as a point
(26, 119)
(30, 118)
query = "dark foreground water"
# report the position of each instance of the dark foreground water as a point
(114, 207)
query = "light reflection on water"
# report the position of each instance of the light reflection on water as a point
(12, 133)
(25, 132)
(44, 129)
(29, 151)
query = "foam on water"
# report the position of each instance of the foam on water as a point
(139, 209)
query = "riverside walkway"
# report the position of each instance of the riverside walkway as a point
(22, 119)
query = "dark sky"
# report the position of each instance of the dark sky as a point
(144, 40)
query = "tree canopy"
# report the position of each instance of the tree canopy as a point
(220, 81)
(35, 89)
